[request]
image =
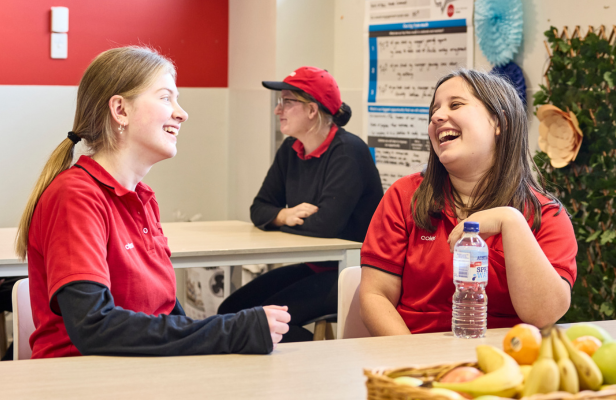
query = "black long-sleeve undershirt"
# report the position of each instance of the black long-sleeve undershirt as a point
(97, 327)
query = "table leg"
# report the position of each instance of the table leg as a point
(180, 283)
(232, 280)
(351, 259)
(227, 281)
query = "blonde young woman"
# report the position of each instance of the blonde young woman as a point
(323, 183)
(101, 281)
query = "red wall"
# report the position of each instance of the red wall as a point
(193, 33)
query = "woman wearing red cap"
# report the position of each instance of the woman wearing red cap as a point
(323, 183)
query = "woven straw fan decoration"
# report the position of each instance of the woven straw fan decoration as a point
(560, 135)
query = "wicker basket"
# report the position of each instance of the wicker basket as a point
(381, 385)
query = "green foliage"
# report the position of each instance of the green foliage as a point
(581, 77)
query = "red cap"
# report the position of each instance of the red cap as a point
(316, 82)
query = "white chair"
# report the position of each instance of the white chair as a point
(23, 325)
(350, 324)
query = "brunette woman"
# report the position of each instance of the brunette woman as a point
(479, 169)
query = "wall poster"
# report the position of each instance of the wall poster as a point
(410, 44)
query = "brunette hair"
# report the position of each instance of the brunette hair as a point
(509, 182)
(125, 71)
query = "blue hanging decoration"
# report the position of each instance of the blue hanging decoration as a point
(514, 75)
(499, 26)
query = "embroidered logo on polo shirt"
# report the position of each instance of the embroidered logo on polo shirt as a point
(428, 238)
(129, 246)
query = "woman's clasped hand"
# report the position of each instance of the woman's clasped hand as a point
(295, 215)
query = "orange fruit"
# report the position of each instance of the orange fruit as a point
(587, 344)
(522, 342)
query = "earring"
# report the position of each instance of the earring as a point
(121, 128)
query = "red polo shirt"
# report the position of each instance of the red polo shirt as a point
(318, 152)
(422, 259)
(88, 227)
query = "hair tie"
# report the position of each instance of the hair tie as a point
(74, 138)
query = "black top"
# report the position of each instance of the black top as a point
(97, 327)
(343, 182)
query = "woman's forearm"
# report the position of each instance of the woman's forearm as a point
(539, 295)
(381, 317)
(97, 327)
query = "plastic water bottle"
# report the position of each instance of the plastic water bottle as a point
(470, 275)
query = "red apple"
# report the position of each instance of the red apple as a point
(461, 374)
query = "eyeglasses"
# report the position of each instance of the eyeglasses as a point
(286, 103)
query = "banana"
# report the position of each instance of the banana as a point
(544, 377)
(560, 351)
(589, 374)
(569, 381)
(502, 375)
(525, 369)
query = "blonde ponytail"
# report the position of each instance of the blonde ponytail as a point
(59, 161)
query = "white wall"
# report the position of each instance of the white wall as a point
(252, 59)
(304, 35)
(37, 118)
(195, 181)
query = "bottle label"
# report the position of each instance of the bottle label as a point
(470, 265)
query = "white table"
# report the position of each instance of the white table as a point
(221, 243)
(323, 370)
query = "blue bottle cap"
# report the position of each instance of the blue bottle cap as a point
(471, 227)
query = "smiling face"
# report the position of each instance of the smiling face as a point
(462, 131)
(154, 119)
(294, 115)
